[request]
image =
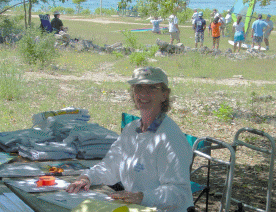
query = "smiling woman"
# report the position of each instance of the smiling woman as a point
(152, 157)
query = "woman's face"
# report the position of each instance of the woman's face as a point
(149, 97)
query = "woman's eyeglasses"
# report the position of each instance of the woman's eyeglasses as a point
(149, 88)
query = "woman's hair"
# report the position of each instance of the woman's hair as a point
(165, 106)
(239, 18)
(216, 20)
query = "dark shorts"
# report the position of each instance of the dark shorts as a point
(216, 38)
(257, 39)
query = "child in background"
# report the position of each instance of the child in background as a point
(216, 32)
(155, 25)
(238, 28)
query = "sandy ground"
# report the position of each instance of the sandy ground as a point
(103, 76)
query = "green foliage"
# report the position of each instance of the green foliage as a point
(225, 112)
(85, 12)
(10, 80)
(162, 8)
(78, 3)
(118, 54)
(143, 8)
(69, 11)
(36, 47)
(185, 15)
(58, 8)
(105, 11)
(131, 39)
(138, 58)
(9, 25)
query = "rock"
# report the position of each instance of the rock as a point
(216, 52)
(170, 49)
(152, 60)
(228, 51)
(116, 45)
(160, 54)
(238, 76)
(179, 48)
(162, 44)
(187, 48)
(204, 50)
(111, 48)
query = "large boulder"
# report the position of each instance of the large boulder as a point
(162, 44)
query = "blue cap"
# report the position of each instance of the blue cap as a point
(200, 14)
(268, 15)
(260, 16)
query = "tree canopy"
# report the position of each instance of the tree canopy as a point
(78, 3)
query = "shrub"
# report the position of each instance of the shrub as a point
(105, 11)
(58, 8)
(85, 12)
(225, 112)
(131, 39)
(10, 80)
(138, 58)
(11, 25)
(69, 11)
(37, 47)
(143, 9)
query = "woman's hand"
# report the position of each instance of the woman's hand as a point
(81, 182)
(129, 197)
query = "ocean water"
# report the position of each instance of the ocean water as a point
(220, 5)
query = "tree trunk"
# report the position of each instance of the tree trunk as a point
(25, 12)
(30, 13)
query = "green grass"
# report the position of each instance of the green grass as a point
(66, 82)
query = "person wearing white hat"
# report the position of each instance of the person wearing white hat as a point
(194, 17)
(228, 17)
(152, 157)
(174, 29)
(268, 31)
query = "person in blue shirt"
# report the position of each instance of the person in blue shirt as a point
(199, 26)
(258, 28)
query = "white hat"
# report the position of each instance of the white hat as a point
(171, 16)
(56, 13)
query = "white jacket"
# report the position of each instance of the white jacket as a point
(156, 164)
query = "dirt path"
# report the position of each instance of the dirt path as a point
(105, 21)
(112, 77)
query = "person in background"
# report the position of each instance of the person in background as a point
(173, 28)
(212, 17)
(194, 17)
(268, 31)
(216, 32)
(56, 23)
(152, 157)
(228, 17)
(238, 28)
(222, 27)
(155, 25)
(200, 26)
(258, 27)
